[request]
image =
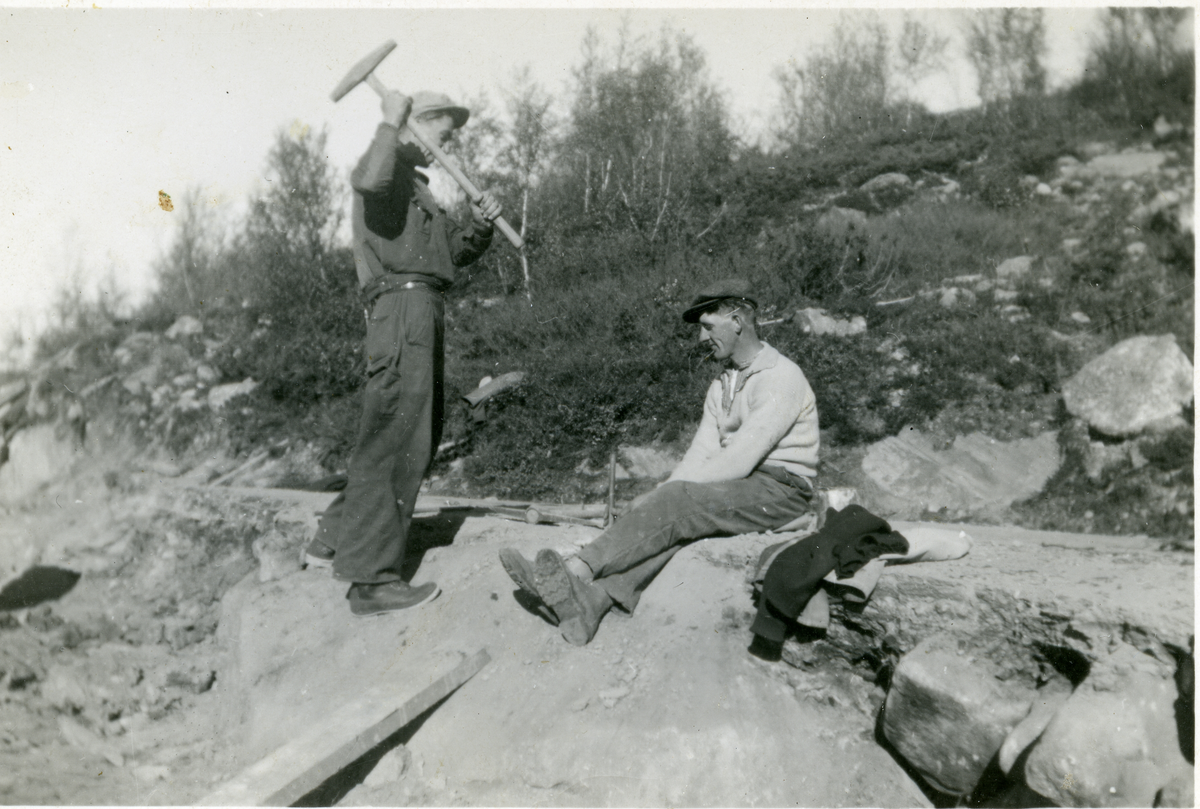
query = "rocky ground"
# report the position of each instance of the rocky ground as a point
(192, 645)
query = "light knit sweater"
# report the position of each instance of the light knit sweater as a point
(766, 413)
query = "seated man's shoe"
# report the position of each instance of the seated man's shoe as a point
(368, 599)
(579, 606)
(521, 571)
(317, 554)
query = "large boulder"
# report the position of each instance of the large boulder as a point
(1115, 741)
(948, 714)
(1046, 703)
(1143, 382)
(36, 456)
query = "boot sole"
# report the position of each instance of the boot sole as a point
(523, 575)
(520, 571)
(554, 582)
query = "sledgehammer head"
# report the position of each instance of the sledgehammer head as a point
(364, 68)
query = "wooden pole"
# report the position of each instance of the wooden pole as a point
(609, 511)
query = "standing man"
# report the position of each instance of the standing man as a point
(750, 468)
(405, 251)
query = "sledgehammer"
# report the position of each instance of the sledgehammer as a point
(365, 71)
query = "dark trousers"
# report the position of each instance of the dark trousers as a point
(627, 556)
(367, 525)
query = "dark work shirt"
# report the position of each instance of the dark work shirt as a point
(397, 225)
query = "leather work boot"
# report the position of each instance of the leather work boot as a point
(367, 599)
(579, 606)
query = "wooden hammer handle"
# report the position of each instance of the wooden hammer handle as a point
(464, 182)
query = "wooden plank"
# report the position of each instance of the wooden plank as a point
(533, 516)
(302, 765)
(427, 504)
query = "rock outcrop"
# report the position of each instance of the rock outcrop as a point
(1029, 617)
(980, 663)
(975, 475)
(662, 708)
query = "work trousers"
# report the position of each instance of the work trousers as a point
(626, 557)
(403, 409)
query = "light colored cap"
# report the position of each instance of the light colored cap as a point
(425, 102)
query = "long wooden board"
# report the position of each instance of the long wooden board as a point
(302, 765)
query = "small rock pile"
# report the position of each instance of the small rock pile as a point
(1157, 183)
(168, 377)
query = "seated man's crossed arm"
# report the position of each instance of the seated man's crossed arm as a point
(772, 419)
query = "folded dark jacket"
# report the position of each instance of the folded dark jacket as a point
(850, 538)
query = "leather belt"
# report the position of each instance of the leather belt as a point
(395, 282)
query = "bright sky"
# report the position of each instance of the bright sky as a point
(102, 108)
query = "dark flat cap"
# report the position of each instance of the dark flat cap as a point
(713, 294)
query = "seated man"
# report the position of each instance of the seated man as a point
(749, 468)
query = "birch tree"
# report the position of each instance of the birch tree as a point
(1006, 46)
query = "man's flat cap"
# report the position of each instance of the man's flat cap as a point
(427, 102)
(715, 293)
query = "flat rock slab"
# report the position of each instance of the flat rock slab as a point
(976, 475)
(1081, 591)
(663, 708)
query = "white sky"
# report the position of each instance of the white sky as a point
(102, 108)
